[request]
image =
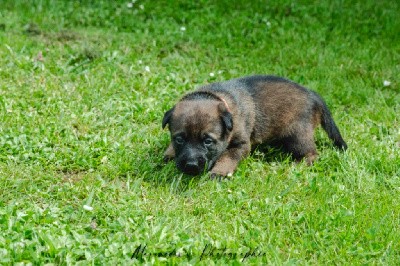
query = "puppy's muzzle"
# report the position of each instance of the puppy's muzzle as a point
(192, 165)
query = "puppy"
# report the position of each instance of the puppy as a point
(214, 127)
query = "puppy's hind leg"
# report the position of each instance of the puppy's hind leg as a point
(301, 146)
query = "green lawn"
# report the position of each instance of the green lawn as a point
(84, 86)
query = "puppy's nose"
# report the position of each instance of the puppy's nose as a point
(192, 168)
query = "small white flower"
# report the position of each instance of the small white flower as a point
(386, 83)
(87, 208)
(104, 160)
(212, 74)
(183, 28)
(147, 68)
(129, 5)
(229, 175)
(140, 62)
(141, 7)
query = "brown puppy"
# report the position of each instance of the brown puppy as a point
(214, 127)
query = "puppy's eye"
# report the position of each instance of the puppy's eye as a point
(179, 140)
(208, 141)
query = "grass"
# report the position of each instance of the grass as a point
(83, 88)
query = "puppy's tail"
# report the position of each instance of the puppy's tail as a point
(329, 125)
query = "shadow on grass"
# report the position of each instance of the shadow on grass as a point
(275, 153)
(268, 154)
(152, 169)
(149, 166)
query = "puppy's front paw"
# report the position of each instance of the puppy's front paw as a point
(169, 153)
(219, 176)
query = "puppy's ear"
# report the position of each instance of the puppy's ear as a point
(226, 116)
(227, 120)
(167, 117)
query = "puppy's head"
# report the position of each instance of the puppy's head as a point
(200, 131)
